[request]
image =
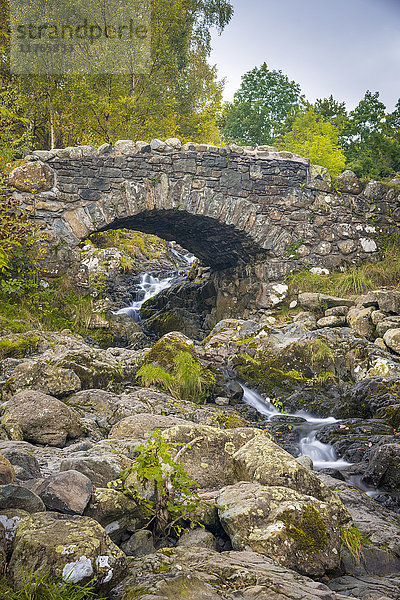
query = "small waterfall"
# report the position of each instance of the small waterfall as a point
(322, 455)
(147, 287)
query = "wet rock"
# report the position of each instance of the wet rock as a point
(198, 537)
(72, 547)
(38, 418)
(116, 512)
(20, 456)
(201, 574)
(384, 468)
(392, 340)
(139, 544)
(141, 425)
(296, 530)
(7, 473)
(66, 492)
(18, 497)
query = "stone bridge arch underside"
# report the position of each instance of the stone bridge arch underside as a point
(231, 207)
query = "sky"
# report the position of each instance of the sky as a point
(339, 47)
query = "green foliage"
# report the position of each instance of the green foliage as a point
(332, 111)
(19, 347)
(187, 380)
(260, 107)
(175, 498)
(313, 137)
(353, 540)
(41, 586)
(371, 138)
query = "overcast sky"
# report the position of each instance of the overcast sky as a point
(343, 47)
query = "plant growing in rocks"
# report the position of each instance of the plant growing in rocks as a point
(41, 586)
(174, 500)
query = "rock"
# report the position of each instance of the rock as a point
(264, 462)
(174, 143)
(383, 470)
(315, 300)
(367, 397)
(99, 465)
(7, 473)
(392, 340)
(332, 321)
(367, 587)
(306, 319)
(3, 548)
(388, 301)
(378, 531)
(381, 343)
(359, 319)
(66, 492)
(72, 547)
(198, 537)
(337, 311)
(116, 512)
(306, 462)
(201, 574)
(139, 544)
(349, 183)
(141, 425)
(208, 459)
(45, 378)
(16, 496)
(20, 456)
(320, 178)
(387, 323)
(32, 177)
(41, 419)
(296, 530)
(10, 518)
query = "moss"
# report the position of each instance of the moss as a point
(308, 531)
(353, 540)
(19, 347)
(164, 351)
(264, 376)
(230, 421)
(162, 323)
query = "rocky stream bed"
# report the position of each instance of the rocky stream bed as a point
(296, 453)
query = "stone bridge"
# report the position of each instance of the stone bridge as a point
(228, 206)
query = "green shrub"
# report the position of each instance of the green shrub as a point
(187, 380)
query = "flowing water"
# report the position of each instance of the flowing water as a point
(322, 455)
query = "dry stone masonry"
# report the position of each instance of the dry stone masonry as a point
(228, 206)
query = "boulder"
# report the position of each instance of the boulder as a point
(18, 497)
(332, 321)
(32, 177)
(208, 459)
(315, 300)
(387, 323)
(367, 397)
(349, 183)
(7, 473)
(264, 462)
(383, 470)
(198, 537)
(116, 512)
(141, 425)
(41, 419)
(9, 518)
(139, 544)
(20, 455)
(66, 492)
(75, 548)
(392, 340)
(359, 319)
(296, 530)
(45, 378)
(98, 464)
(306, 319)
(388, 301)
(201, 574)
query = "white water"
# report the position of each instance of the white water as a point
(148, 287)
(322, 455)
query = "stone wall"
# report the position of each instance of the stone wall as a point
(229, 206)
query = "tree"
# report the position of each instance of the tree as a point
(331, 110)
(371, 140)
(317, 139)
(260, 107)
